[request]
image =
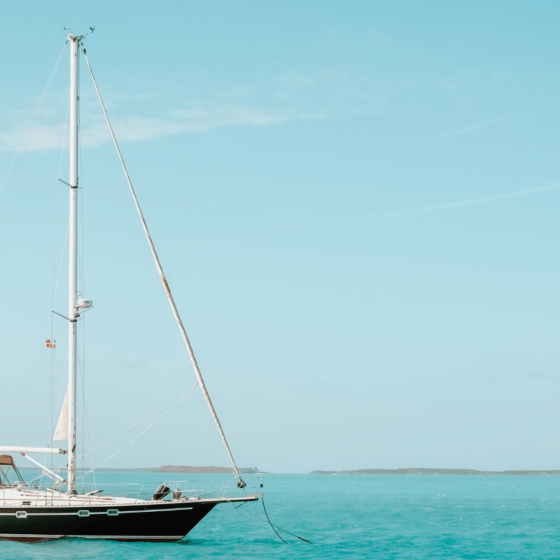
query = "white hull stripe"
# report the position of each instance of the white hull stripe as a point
(99, 512)
(22, 536)
(105, 537)
(128, 537)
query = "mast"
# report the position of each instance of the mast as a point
(73, 262)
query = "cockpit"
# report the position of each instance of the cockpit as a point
(9, 473)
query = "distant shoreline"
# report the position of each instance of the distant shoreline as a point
(188, 469)
(175, 469)
(443, 472)
(358, 472)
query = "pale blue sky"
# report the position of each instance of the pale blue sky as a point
(277, 149)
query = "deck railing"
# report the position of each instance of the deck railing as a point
(37, 493)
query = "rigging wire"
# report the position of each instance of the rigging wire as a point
(80, 360)
(85, 418)
(241, 483)
(142, 432)
(64, 137)
(54, 280)
(179, 396)
(83, 372)
(81, 258)
(61, 260)
(53, 350)
(54, 335)
(81, 198)
(60, 389)
(56, 407)
(57, 199)
(14, 165)
(16, 160)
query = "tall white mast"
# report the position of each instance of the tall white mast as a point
(73, 262)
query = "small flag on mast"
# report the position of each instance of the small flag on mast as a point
(51, 343)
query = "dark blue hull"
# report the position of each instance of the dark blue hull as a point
(156, 522)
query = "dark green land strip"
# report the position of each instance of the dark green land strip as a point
(445, 472)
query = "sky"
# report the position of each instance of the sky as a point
(356, 207)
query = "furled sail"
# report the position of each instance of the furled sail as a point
(62, 426)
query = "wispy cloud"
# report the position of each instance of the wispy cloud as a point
(154, 113)
(44, 137)
(469, 128)
(38, 138)
(141, 129)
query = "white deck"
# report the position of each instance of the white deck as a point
(28, 497)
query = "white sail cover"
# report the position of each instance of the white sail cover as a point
(62, 426)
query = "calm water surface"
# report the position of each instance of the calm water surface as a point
(353, 517)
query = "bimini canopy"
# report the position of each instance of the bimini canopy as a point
(7, 461)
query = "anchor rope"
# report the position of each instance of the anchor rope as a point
(166, 285)
(273, 525)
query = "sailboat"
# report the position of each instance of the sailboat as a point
(30, 512)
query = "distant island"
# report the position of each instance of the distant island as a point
(219, 470)
(175, 469)
(432, 472)
(255, 470)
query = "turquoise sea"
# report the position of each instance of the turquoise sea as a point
(351, 517)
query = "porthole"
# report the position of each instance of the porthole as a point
(112, 512)
(21, 514)
(83, 513)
